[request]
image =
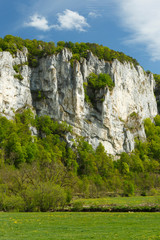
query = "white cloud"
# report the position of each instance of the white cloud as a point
(38, 22)
(70, 20)
(94, 14)
(142, 18)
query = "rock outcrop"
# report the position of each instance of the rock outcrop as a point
(55, 88)
(14, 94)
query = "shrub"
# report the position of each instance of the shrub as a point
(34, 62)
(44, 197)
(134, 115)
(77, 206)
(157, 120)
(157, 79)
(61, 44)
(16, 68)
(128, 189)
(13, 203)
(18, 76)
(100, 81)
(96, 82)
(87, 99)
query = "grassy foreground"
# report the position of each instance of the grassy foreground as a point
(58, 226)
(116, 203)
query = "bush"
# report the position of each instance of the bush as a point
(46, 196)
(128, 190)
(157, 79)
(153, 192)
(77, 206)
(100, 81)
(157, 120)
(87, 99)
(134, 115)
(13, 203)
(96, 82)
(75, 57)
(18, 76)
(34, 63)
(16, 68)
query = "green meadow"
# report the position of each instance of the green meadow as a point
(134, 201)
(70, 225)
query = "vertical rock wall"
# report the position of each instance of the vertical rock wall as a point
(14, 93)
(55, 88)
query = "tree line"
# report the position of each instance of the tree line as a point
(38, 49)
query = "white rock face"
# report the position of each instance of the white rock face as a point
(14, 94)
(55, 88)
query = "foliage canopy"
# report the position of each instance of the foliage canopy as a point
(38, 49)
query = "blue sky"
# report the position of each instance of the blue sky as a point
(129, 26)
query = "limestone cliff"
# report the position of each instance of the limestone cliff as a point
(55, 88)
(14, 94)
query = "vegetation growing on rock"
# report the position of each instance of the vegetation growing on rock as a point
(100, 81)
(18, 71)
(157, 79)
(18, 76)
(102, 52)
(157, 90)
(38, 49)
(95, 83)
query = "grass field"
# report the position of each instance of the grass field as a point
(120, 201)
(78, 226)
(136, 203)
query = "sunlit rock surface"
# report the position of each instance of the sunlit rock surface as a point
(55, 88)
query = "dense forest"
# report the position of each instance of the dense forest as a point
(43, 172)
